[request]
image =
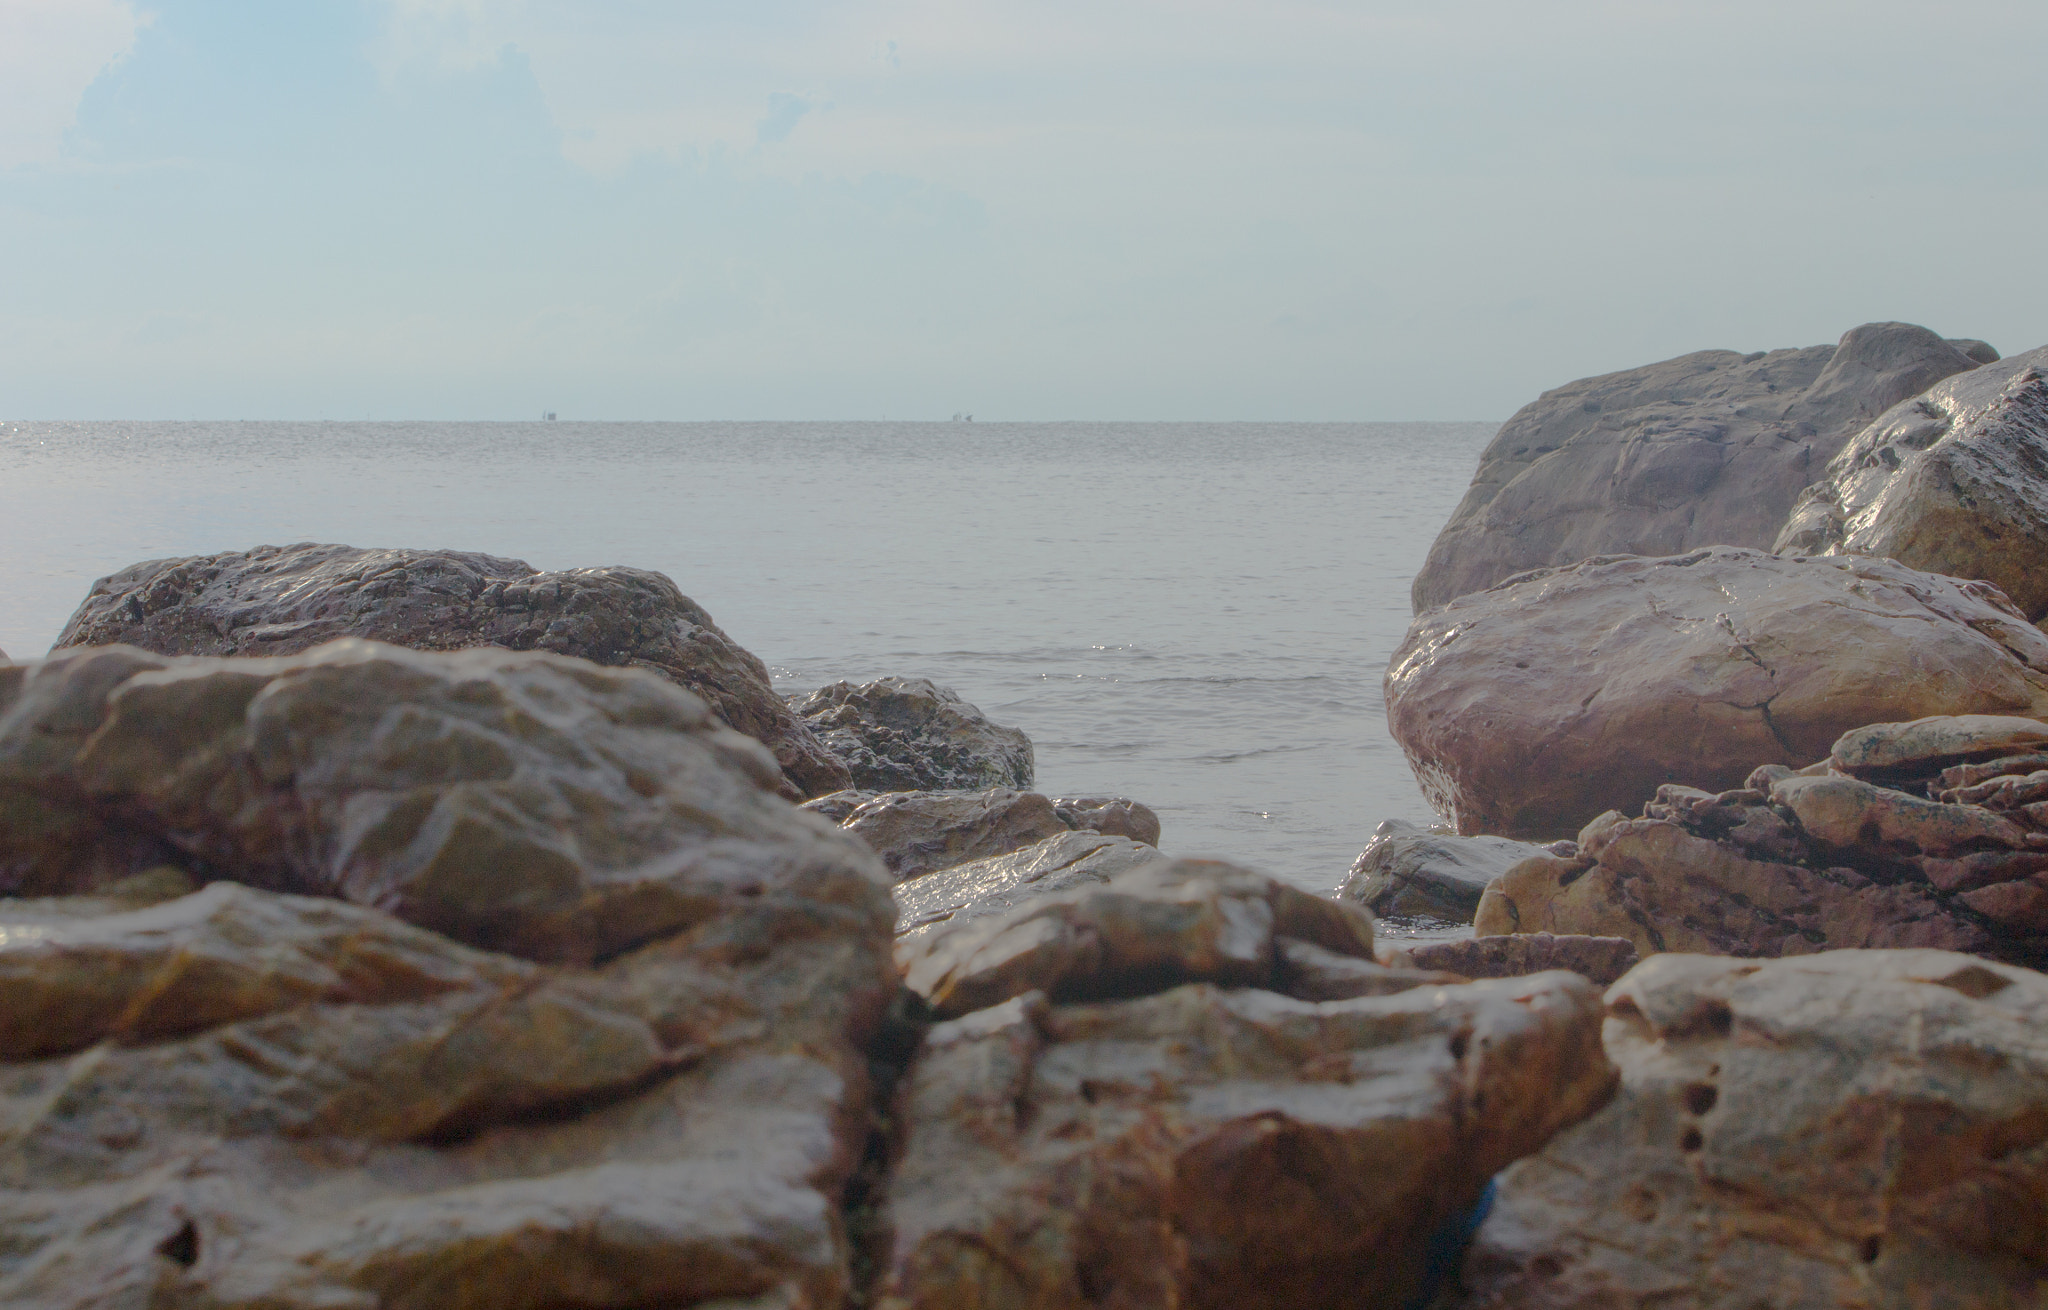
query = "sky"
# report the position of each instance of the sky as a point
(1053, 209)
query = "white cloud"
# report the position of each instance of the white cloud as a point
(50, 52)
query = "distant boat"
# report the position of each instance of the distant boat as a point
(548, 414)
(963, 418)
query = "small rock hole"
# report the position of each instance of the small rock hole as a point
(1871, 1246)
(1459, 1043)
(181, 1246)
(1546, 1266)
(1700, 1097)
(1692, 1141)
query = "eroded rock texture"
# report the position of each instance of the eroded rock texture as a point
(919, 832)
(1711, 448)
(1412, 872)
(1930, 833)
(280, 600)
(1855, 1129)
(1602, 959)
(909, 734)
(575, 1020)
(1953, 481)
(1179, 1133)
(1530, 708)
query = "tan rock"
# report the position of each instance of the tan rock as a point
(997, 885)
(1666, 889)
(1315, 973)
(1293, 1155)
(1528, 709)
(1845, 812)
(516, 801)
(1880, 750)
(1602, 959)
(1711, 448)
(281, 600)
(1153, 926)
(1852, 1129)
(917, 832)
(1117, 816)
(1954, 481)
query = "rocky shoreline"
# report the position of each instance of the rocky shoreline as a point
(399, 929)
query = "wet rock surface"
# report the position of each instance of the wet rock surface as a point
(1176, 1133)
(1530, 708)
(920, 832)
(1601, 959)
(576, 1020)
(909, 734)
(281, 600)
(1945, 852)
(1853, 1129)
(1411, 872)
(1952, 481)
(1711, 448)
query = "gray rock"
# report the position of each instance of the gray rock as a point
(919, 832)
(1413, 872)
(1953, 481)
(1711, 448)
(280, 600)
(996, 885)
(837, 805)
(908, 734)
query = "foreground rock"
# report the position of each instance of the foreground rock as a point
(918, 832)
(1602, 959)
(1853, 1129)
(908, 734)
(1412, 872)
(1172, 1142)
(280, 600)
(1928, 833)
(1711, 448)
(1528, 709)
(593, 1038)
(1954, 481)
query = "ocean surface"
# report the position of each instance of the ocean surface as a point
(1195, 615)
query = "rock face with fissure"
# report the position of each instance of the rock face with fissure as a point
(1711, 448)
(1837, 1132)
(908, 734)
(280, 600)
(1163, 1093)
(527, 991)
(1931, 833)
(1953, 481)
(1530, 708)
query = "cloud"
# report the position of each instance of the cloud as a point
(50, 52)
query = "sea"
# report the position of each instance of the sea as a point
(1195, 615)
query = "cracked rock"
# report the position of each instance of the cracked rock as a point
(1529, 708)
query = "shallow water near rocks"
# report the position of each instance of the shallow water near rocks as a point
(1194, 615)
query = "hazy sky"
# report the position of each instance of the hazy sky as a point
(1060, 208)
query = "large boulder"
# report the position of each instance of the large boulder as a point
(1849, 1130)
(918, 832)
(1176, 1132)
(577, 1020)
(1711, 448)
(1527, 709)
(1410, 872)
(280, 600)
(1953, 481)
(909, 734)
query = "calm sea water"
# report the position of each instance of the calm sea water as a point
(1195, 615)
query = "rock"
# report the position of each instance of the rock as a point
(1894, 750)
(1847, 812)
(281, 600)
(1150, 927)
(837, 805)
(996, 885)
(918, 832)
(1854, 1129)
(1527, 709)
(1706, 449)
(1315, 973)
(1416, 873)
(519, 802)
(1293, 1154)
(1952, 481)
(240, 1097)
(1602, 959)
(907, 734)
(1118, 816)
